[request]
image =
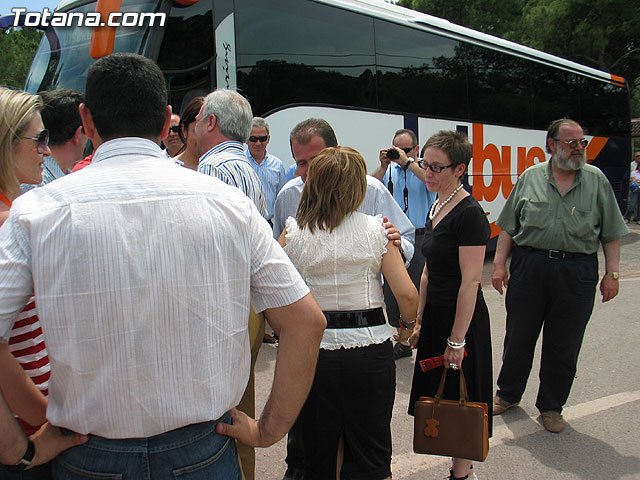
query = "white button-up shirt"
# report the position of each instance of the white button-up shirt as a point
(142, 272)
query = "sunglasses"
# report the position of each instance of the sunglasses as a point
(175, 129)
(573, 143)
(434, 168)
(262, 138)
(42, 140)
(407, 150)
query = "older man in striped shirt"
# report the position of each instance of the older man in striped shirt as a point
(223, 124)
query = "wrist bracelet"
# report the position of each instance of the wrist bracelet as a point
(407, 325)
(455, 345)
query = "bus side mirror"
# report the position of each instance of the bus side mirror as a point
(103, 37)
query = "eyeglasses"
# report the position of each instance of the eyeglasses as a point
(573, 143)
(432, 167)
(42, 140)
(262, 138)
(175, 129)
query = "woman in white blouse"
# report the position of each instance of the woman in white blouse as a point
(340, 253)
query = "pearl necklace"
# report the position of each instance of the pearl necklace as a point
(437, 206)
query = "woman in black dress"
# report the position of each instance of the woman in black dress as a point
(452, 314)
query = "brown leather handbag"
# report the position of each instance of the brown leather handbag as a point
(451, 428)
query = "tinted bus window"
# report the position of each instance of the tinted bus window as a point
(419, 72)
(187, 52)
(499, 87)
(602, 104)
(292, 51)
(188, 38)
(594, 104)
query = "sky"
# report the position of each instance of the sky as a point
(30, 5)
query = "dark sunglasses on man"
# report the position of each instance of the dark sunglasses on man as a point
(42, 140)
(175, 129)
(262, 138)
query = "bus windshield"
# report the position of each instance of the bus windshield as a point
(63, 56)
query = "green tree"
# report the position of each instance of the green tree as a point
(17, 49)
(604, 34)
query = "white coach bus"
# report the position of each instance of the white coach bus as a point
(369, 68)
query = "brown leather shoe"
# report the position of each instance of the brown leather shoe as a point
(501, 406)
(553, 421)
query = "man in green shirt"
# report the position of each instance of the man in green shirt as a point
(555, 218)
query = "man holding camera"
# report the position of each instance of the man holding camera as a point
(400, 173)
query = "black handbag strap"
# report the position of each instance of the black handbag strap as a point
(464, 397)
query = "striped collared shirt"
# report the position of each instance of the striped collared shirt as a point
(228, 162)
(272, 175)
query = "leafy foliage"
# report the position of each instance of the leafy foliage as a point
(17, 49)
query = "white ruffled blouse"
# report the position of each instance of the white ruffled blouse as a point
(342, 270)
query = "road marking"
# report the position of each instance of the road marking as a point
(407, 464)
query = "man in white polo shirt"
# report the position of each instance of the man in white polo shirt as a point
(143, 272)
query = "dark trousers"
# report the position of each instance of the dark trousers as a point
(352, 397)
(415, 271)
(555, 296)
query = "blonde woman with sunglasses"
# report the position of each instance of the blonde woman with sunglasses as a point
(24, 365)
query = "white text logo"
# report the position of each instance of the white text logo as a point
(47, 18)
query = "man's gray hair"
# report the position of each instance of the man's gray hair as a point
(232, 111)
(259, 122)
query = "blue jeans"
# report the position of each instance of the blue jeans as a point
(193, 452)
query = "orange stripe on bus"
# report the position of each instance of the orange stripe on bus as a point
(616, 80)
(103, 38)
(495, 229)
(596, 144)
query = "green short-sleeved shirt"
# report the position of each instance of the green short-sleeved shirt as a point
(536, 215)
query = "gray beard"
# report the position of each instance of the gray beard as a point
(568, 162)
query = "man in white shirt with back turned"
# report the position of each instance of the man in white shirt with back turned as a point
(148, 340)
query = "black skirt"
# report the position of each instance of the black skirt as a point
(437, 322)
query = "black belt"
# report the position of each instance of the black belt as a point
(355, 318)
(420, 231)
(556, 254)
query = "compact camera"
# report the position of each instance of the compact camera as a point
(392, 154)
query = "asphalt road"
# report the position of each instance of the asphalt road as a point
(602, 438)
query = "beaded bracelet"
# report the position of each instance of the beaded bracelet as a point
(455, 345)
